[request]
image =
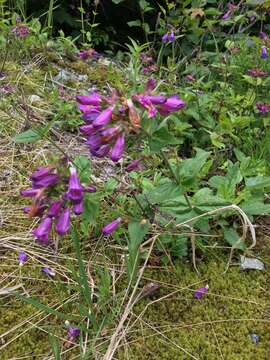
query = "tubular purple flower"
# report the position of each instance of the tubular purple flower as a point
(30, 192)
(118, 148)
(198, 294)
(109, 132)
(168, 37)
(48, 271)
(22, 257)
(41, 172)
(63, 222)
(92, 99)
(90, 116)
(73, 332)
(44, 182)
(75, 189)
(156, 99)
(135, 164)
(103, 118)
(88, 129)
(101, 152)
(90, 189)
(42, 231)
(55, 208)
(264, 54)
(78, 208)
(94, 141)
(262, 35)
(172, 104)
(109, 228)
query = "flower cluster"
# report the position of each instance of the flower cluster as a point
(55, 195)
(99, 112)
(158, 103)
(86, 54)
(263, 108)
(21, 30)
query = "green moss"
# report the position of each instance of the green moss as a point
(221, 322)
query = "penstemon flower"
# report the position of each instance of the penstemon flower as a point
(55, 201)
(198, 294)
(109, 228)
(264, 54)
(22, 257)
(48, 271)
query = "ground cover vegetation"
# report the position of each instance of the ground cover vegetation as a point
(135, 179)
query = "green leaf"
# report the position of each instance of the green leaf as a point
(232, 236)
(258, 182)
(83, 166)
(33, 135)
(162, 138)
(28, 136)
(47, 309)
(134, 23)
(137, 231)
(255, 207)
(189, 169)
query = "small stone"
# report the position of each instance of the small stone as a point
(251, 263)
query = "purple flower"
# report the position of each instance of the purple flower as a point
(31, 192)
(21, 30)
(91, 189)
(42, 231)
(94, 141)
(168, 37)
(55, 208)
(103, 118)
(263, 108)
(109, 228)
(256, 72)
(75, 189)
(109, 133)
(85, 54)
(135, 164)
(46, 181)
(63, 222)
(41, 172)
(78, 208)
(87, 129)
(199, 293)
(172, 104)
(227, 15)
(48, 271)
(118, 148)
(22, 257)
(92, 99)
(262, 35)
(101, 152)
(73, 332)
(156, 99)
(264, 53)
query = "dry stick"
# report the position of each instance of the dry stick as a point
(117, 337)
